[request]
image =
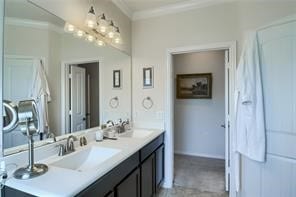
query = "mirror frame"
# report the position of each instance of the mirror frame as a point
(2, 11)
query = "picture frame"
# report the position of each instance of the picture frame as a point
(194, 86)
(148, 77)
(117, 79)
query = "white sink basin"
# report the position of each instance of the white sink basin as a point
(136, 134)
(87, 159)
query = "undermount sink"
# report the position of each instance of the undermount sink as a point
(136, 133)
(86, 159)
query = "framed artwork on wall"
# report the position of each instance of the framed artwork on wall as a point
(116, 79)
(194, 86)
(148, 77)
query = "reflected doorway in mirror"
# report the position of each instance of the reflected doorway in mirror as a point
(82, 95)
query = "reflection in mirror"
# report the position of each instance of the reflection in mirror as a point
(70, 79)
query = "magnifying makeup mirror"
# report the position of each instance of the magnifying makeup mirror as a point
(28, 121)
(10, 118)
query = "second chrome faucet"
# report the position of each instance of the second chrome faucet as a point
(69, 148)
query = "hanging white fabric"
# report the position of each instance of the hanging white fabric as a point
(41, 94)
(250, 126)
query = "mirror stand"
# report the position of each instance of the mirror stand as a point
(29, 122)
(32, 170)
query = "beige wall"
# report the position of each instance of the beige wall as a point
(198, 122)
(74, 11)
(219, 23)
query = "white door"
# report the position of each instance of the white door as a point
(18, 79)
(276, 177)
(77, 99)
(227, 121)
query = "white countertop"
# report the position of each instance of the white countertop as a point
(58, 182)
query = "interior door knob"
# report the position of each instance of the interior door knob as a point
(223, 125)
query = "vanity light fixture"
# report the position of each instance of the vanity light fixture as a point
(69, 28)
(91, 20)
(100, 30)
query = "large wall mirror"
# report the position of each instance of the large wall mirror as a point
(70, 79)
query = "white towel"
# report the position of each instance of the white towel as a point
(250, 126)
(41, 94)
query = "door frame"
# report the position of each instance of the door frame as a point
(65, 88)
(169, 105)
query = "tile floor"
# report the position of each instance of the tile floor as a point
(197, 177)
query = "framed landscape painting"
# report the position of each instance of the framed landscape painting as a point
(194, 86)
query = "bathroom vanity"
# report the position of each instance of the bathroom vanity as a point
(134, 167)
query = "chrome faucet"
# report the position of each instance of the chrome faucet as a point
(70, 144)
(110, 122)
(51, 135)
(69, 147)
(83, 141)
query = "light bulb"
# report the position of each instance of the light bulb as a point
(111, 30)
(90, 24)
(79, 33)
(90, 20)
(117, 40)
(69, 28)
(90, 38)
(103, 24)
(117, 37)
(100, 43)
(102, 29)
(111, 34)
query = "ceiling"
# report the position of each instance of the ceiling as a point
(140, 5)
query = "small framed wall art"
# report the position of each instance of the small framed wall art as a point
(194, 86)
(148, 77)
(116, 79)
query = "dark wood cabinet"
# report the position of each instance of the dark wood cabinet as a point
(107, 183)
(159, 166)
(129, 187)
(148, 177)
(111, 194)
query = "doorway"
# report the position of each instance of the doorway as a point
(230, 57)
(199, 119)
(81, 88)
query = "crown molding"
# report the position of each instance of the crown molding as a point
(33, 24)
(175, 8)
(123, 7)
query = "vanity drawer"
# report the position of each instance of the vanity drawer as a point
(151, 147)
(106, 184)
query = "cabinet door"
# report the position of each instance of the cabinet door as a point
(148, 177)
(159, 165)
(130, 187)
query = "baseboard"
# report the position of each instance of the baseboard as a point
(167, 185)
(199, 155)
